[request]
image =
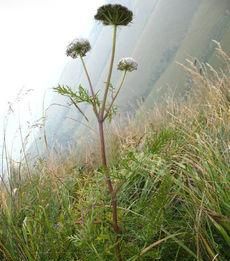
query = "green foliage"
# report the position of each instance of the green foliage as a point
(79, 96)
(37, 222)
(112, 111)
(173, 204)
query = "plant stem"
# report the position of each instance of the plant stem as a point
(112, 192)
(110, 72)
(101, 119)
(108, 180)
(90, 86)
(114, 98)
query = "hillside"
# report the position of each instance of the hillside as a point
(171, 171)
(210, 22)
(152, 182)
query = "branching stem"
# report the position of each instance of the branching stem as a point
(101, 115)
(108, 179)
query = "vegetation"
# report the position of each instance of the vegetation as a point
(173, 194)
(114, 15)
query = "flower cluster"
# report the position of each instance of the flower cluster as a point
(114, 15)
(78, 47)
(127, 64)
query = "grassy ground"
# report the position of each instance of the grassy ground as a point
(172, 175)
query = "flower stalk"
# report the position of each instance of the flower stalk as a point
(109, 183)
(115, 96)
(91, 87)
(109, 73)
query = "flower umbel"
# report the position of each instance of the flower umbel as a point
(78, 47)
(127, 64)
(114, 15)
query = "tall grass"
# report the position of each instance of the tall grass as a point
(172, 177)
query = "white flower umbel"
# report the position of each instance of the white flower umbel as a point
(78, 47)
(127, 64)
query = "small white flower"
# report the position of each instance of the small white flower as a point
(14, 191)
(78, 47)
(127, 64)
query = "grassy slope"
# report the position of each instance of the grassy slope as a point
(207, 25)
(173, 174)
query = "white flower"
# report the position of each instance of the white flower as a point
(78, 47)
(14, 191)
(127, 64)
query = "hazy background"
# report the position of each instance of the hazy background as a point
(34, 35)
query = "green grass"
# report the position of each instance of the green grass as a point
(172, 177)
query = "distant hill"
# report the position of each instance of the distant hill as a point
(163, 32)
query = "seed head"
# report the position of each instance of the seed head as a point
(78, 47)
(127, 64)
(114, 15)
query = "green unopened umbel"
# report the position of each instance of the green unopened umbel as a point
(114, 15)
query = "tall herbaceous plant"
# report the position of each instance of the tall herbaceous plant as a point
(103, 106)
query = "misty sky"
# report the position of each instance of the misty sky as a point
(34, 35)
